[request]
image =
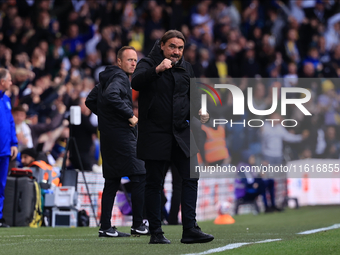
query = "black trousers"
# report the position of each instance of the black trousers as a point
(176, 196)
(155, 173)
(111, 187)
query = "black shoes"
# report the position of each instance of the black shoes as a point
(195, 235)
(272, 209)
(3, 224)
(112, 232)
(141, 230)
(191, 235)
(268, 210)
(158, 238)
(276, 209)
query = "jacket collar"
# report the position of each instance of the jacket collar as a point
(109, 72)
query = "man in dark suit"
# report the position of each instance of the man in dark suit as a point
(163, 82)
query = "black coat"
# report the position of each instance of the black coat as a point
(111, 100)
(164, 107)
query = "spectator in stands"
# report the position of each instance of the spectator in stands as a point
(297, 11)
(253, 185)
(42, 171)
(91, 63)
(336, 59)
(267, 53)
(229, 10)
(325, 57)
(274, 24)
(248, 186)
(308, 71)
(290, 49)
(202, 18)
(273, 135)
(76, 72)
(314, 58)
(251, 19)
(190, 54)
(332, 149)
(195, 36)
(204, 61)
(322, 11)
(291, 79)
(154, 28)
(333, 32)
(75, 43)
(23, 131)
(39, 128)
(329, 103)
(250, 67)
(218, 67)
(106, 42)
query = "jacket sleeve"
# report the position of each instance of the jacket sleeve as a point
(144, 74)
(91, 100)
(14, 139)
(41, 128)
(112, 97)
(288, 137)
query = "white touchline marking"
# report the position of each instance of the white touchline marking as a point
(268, 240)
(227, 247)
(14, 236)
(231, 246)
(237, 245)
(335, 226)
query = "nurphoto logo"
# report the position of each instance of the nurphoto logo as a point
(238, 104)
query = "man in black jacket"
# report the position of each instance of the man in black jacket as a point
(111, 100)
(163, 82)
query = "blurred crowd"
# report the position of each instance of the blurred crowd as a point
(55, 49)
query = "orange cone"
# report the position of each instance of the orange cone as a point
(224, 219)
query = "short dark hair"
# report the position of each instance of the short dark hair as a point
(120, 52)
(18, 108)
(3, 73)
(30, 152)
(171, 34)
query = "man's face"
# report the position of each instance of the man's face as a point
(26, 160)
(173, 49)
(276, 116)
(319, 7)
(6, 82)
(73, 31)
(128, 62)
(19, 117)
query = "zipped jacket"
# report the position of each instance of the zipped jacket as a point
(8, 136)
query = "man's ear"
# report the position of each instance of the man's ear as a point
(119, 62)
(162, 46)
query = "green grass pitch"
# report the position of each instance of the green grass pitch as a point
(246, 229)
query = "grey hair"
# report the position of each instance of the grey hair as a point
(3, 73)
